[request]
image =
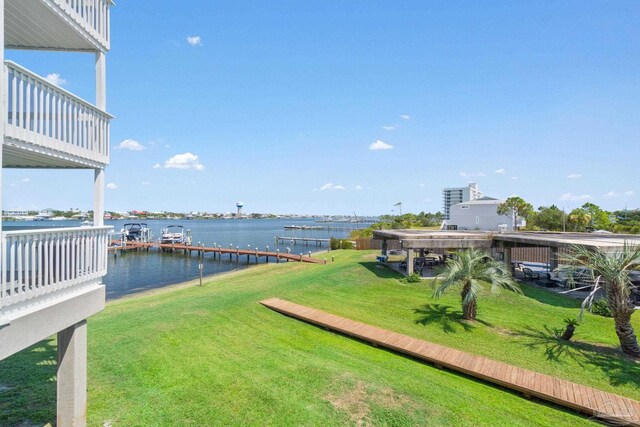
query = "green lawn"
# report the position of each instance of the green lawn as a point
(212, 355)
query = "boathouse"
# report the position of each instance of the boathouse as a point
(546, 245)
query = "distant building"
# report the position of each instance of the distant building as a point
(479, 214)
(453, 196)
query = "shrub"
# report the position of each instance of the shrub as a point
(570, 328)
(340, 244)
(601, 307)
(412, 278)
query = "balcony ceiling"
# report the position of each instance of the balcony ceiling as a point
(35, 24)
(17, 154)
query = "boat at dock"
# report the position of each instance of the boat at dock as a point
(136, 231)
(175, 234)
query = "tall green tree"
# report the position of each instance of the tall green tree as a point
(548, 218)
(471, 269)
(516, 207)
(610, 272)
(599, 219)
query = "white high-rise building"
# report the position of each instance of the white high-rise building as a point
(453, 196)
(51, 279)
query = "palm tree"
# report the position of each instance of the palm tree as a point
(471, 269)
(610, 272)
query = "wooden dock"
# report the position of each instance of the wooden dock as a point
(217, 251)
(602, 405)
(304, 240)
(318, 227)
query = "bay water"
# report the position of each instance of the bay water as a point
(138, 271)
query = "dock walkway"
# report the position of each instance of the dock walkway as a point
(603, 405)
(219, 251)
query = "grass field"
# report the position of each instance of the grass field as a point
(212, 355)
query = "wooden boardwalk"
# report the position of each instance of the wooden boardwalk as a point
(219, 251)
(605, 406)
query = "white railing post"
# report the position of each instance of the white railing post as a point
(92, 16)
(40, 262)
(49, 116)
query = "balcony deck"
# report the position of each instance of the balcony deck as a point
(81, 25)
(47, 126)
(51, 278)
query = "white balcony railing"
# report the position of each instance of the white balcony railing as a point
(43, 114)
(92, 16)
(42, 262)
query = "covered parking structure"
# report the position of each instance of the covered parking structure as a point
(415, 241)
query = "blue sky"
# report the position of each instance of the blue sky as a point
(281, 104)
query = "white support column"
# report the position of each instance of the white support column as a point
(507, 256)
(101, 103)
(553, 258)
(98, 197)
(3, 104)
(409, 261)
(72, 376)
(101, 81)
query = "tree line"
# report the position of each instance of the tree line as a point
(588, 217)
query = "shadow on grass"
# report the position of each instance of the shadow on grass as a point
(381, 270)
(444, 315)
(621, 369)
(548, 297)
(28, 386)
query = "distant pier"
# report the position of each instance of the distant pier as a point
(318, 227)
(304, 240)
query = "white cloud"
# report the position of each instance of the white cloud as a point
(573, 176)
(25, 180)
(629, 193)
(184, 161)
(575, 197)
(392, 127)
(157, 166)
(330, 186)
(421, 185)
(358, 187)
(55, 79)
(514, 177)
(111, 186)
(500, 171)
(405, 117)
(131, 144)
(380, 145)
(472, 174)
(194, 40)
(611, 194)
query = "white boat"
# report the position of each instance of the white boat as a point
(175, 234)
